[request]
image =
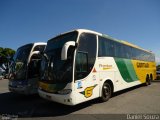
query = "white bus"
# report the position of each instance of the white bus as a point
(25, 69)
(81, 65)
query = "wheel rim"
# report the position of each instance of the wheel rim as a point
(106, 91)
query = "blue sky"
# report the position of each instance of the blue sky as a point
(26, 21)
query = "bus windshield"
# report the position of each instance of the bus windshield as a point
(56, 70)
(19, 64)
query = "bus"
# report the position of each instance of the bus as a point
(24, 71)
(82, 65)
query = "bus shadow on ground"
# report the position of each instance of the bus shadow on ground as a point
(156, 80)
(34, 106)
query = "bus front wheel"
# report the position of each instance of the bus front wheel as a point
(106, 92)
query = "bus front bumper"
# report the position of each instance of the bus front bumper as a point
(64, 99)
(21, 89)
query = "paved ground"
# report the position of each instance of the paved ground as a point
(139, 100)
(3, 86)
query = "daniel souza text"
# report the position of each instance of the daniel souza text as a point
(143, 116)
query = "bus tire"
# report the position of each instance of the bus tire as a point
(147, 81)
(106, 92)
(151, 79)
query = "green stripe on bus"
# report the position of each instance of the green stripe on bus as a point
(126, 69)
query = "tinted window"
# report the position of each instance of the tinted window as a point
(119, 48)
(127, 52)
(59, 41)
(88, 46)
(106, 47)
(81, 64)
(113, 48)
(54, 69)
(39, 48)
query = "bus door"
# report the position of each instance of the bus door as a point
(86, 79)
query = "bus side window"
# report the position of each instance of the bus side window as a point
(106, 47)
(81, 65)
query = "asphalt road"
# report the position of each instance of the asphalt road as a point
(139, 100)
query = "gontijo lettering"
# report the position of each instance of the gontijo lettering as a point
(142, 65)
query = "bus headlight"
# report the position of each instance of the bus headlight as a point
(65, 91)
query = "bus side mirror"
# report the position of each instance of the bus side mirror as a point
(65, 49)
(35, 53)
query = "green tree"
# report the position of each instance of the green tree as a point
(6, 54)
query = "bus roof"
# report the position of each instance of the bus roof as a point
(34, 44)
(40, 43)
(126, 43)
(109, 37)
